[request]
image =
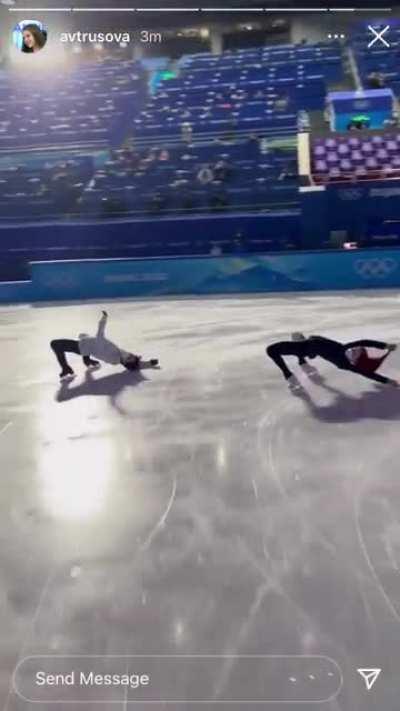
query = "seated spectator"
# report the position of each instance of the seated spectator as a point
(129, 158)
(222, 170)
(376, 80)
(147, 162)
(205, 175)
(239, 95)
(281, 104)
(164, 155)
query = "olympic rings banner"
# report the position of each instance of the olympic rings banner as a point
(296, 271)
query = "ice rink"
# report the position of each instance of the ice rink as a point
(201, 514)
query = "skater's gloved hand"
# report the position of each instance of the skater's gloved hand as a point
(392, 346)
(105, 313)
(394, 383)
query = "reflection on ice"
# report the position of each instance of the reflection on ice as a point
(75, 476)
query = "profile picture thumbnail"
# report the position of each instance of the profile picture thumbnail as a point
(30, 36)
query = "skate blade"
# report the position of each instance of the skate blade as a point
(67, 378)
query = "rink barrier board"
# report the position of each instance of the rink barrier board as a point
(16, 292)
(367, 212)
(120, 278)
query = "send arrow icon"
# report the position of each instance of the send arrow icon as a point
(370, 676)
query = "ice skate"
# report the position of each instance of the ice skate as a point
(94, 365)
(298, 336)
(66, 375)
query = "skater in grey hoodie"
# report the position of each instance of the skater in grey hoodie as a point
(97, 346)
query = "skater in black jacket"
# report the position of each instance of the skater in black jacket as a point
(351, 356)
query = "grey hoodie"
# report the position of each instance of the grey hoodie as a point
(100, 347)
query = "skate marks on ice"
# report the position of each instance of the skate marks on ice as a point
(267, 432)
(374, 494)
(162, 521)
(29, 634)
(5, 427)
(378, 528)
(365, 425)
(81, 608)
(321, 483)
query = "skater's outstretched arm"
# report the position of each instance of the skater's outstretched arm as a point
(275, 353)
(368, 343)
(102, 325)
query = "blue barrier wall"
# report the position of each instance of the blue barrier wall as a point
(359, 209)
(16, 292)
(368, 199)
(300, 271)
(186, 235)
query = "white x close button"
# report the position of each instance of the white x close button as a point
(378, 33)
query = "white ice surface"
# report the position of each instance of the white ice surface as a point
(202, 508)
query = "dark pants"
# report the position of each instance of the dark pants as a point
(61, 346)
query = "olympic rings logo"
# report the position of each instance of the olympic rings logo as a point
(381, 268)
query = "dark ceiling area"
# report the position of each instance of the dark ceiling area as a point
(171, 14)
(190, 4)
